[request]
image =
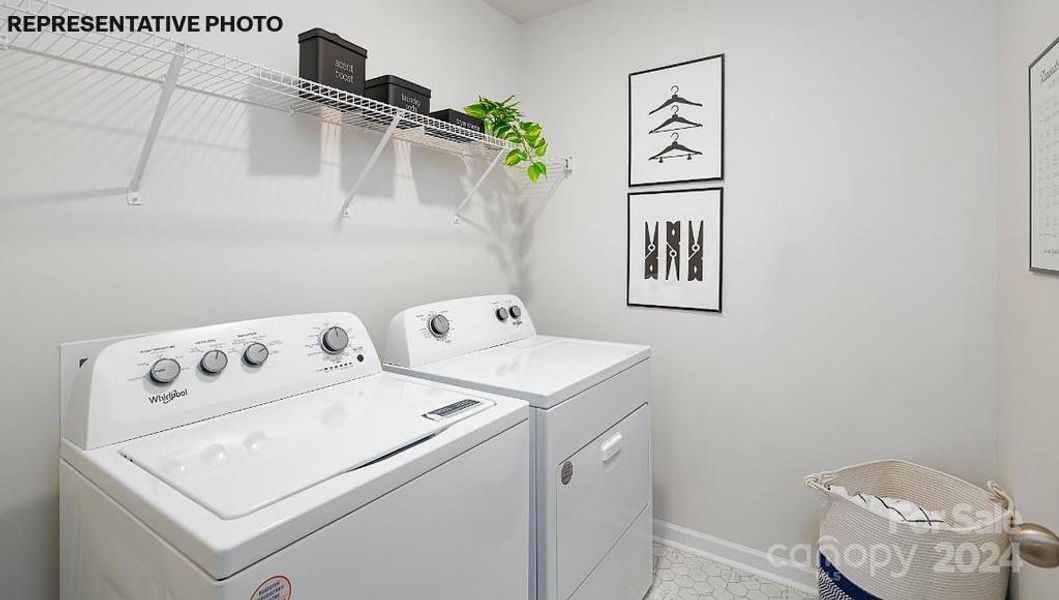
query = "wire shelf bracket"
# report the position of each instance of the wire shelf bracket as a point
(169, 84)
(565, 168)
(477, 184)
(386, 136)
(568, 168)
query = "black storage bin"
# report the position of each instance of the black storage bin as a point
(398, 92)
(455, 117)
(328, 59)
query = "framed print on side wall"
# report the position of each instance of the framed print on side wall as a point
(675, 247)
(1044, 161)
(676, 123)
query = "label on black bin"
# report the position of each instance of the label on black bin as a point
(451, 410)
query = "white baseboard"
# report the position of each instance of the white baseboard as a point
(744, 558)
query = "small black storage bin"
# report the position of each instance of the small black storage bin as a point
(328, 59)
(455, 117)
(400, 93)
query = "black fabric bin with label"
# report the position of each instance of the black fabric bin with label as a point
(328, 59)
(400, 93)
(455, 117)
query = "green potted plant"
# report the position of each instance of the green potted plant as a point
(505, 121)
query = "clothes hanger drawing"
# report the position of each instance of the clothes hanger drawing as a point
(673, 248)
(681, 150)
(675, 99)
(650, 261)
(675, 118)
(694, 252)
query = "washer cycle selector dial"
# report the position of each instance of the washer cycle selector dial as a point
(255, 354)
(501, 313)
(439, 326)
(515, 311)
(164, 371)
(334, 340)
(213, 362)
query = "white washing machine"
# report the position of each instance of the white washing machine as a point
(590, 426)
(273, 459)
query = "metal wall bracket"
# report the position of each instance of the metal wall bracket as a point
(459, 209)
(371, 163)
(169, 83)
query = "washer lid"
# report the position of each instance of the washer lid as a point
(241, 462)
(543, 370)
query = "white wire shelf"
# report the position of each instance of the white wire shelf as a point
(175, 65)
(149, 56)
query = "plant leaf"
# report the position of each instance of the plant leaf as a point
(542, 168)
(515, 157)
(542, 147)
(532, 173)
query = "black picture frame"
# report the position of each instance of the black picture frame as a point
(720, 242)
(720, 177)
(1029, 96)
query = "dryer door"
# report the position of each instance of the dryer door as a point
(607, 485)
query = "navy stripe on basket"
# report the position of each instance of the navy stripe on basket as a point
(830, 575)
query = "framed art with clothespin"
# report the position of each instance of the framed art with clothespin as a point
(675, 248)
(676, 123)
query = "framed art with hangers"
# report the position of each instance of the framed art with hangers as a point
(676, 123)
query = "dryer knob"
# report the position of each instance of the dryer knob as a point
(334, 340)
(439, 326)
(515, 311)
(164, 371)
(501, 313)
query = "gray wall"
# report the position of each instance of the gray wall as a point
(1027, 324)
(239, 218)
(860, 243)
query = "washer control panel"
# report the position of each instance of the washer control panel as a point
(432, 332)
(142, 385)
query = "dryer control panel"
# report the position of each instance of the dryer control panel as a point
(432, 332)
(143, 385)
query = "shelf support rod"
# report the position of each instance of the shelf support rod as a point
(477, 184)
(168, 86)
(371, 163)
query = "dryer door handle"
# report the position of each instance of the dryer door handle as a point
(611, 447)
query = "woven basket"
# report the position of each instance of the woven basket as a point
(946, 563)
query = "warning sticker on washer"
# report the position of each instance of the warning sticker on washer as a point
(274, 588)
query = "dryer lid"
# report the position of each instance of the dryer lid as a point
(543, 370)
(241, 462)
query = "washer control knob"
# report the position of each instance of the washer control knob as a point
(255, 354)
(439, 326)
(334, 340)
(164, 371)
(515, 311)
(213, 362)
(501, 313)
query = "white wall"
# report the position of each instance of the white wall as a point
(1027, 324)
(239, 218)
(860, 243)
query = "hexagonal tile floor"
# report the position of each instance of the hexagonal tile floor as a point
(680, 575)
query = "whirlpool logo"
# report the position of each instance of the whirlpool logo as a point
(167, 397)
